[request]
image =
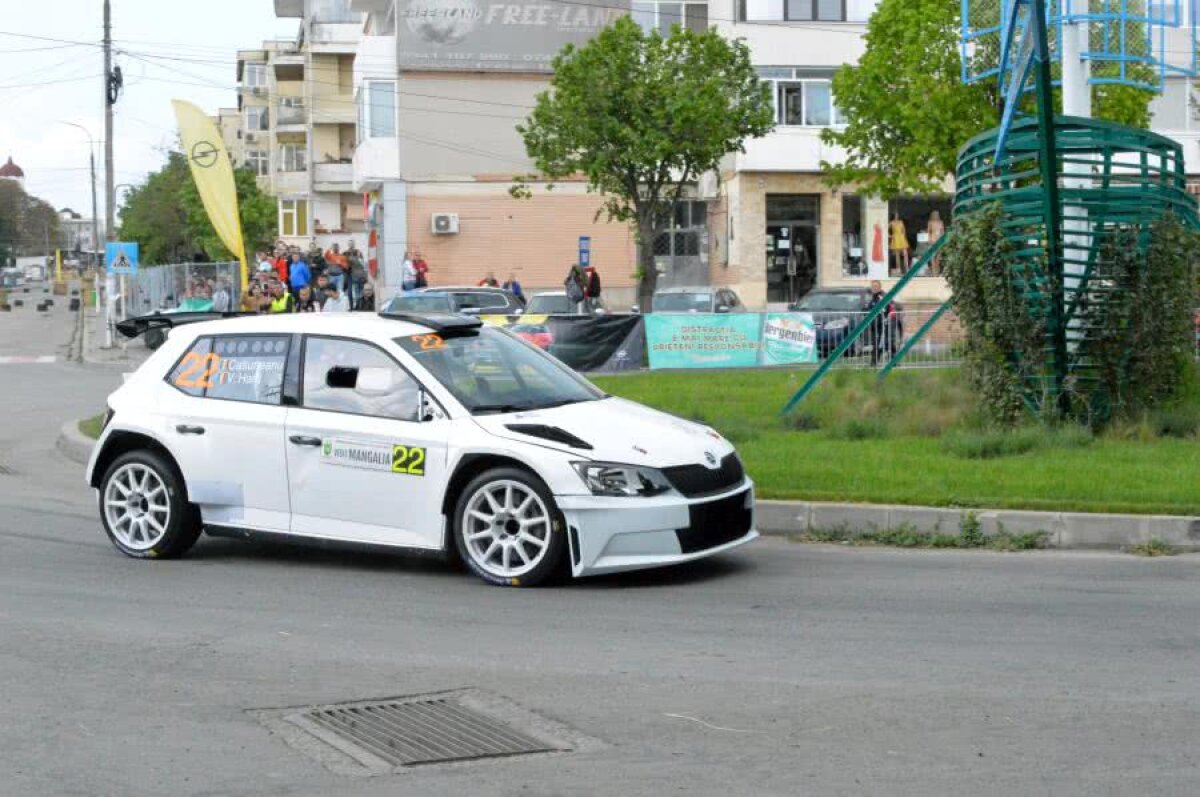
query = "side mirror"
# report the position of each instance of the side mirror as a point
(429, 410)
(635, 310)
(722, 308)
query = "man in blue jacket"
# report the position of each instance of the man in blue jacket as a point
(299, 274)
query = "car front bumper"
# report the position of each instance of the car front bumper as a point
(612, 535)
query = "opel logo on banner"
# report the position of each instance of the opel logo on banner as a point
(204, 154)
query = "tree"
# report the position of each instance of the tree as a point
(27, 224)
(909, 111)
(641, 116)
(154, 217)
(167, 219)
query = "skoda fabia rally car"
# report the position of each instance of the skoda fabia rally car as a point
(418, 432)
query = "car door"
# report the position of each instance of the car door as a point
(364, 465)
(225, 421)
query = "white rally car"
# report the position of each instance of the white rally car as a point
(419, 432)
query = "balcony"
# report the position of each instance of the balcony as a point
(291, 116)
(788, 149)
(289, 183)
(333, 176)
(334, 37)
(376, 161)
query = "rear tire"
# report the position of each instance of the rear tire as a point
(508, 530)
(144, 507)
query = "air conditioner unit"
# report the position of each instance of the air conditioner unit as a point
(251, 137)
(445, 224)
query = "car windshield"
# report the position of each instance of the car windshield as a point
(419, 304)
(490, 371)
(683, 303)
(849, 302)
(550, 305)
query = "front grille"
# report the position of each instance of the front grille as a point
(697, 481)
(716, 523)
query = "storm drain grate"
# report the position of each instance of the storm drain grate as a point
(404, 733)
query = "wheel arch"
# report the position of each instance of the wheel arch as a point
(471, 465)
(121, 441)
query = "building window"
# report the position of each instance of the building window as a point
(377, 109)
(684, 237)
(255, 76)
(293, 158)
(258, 161)
(803, 98)
(257, 118)
(662, 16)
(293, 217)
(807, 10)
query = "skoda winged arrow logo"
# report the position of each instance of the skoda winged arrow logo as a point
(710, 459)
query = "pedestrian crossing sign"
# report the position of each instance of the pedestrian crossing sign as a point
(121, 257)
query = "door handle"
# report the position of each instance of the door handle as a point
(185, 429)
(302, 440)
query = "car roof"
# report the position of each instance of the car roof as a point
(695, 289)
(844, 289)
(460, 288)
(361, 325)
(549, 293)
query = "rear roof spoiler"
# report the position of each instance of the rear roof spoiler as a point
(135, 327)
(445, 324)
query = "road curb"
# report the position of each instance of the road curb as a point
(74, 444)
(1066, 530)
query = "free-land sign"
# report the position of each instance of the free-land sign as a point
(585, 250)
(121, 257)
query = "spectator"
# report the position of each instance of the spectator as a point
(337, 267)
(301, 274)
(591, 287)
(305, 302)
(422, 269)
(320, 285)
(881, 326)
(280, 300)
(489, 281)
(408, 274)
(512, 286)
(335, 301)
(281, 263)
(222, 299)
(252, 298)
(263, 262)
(575, 284)
(366, 302)
(357, 269)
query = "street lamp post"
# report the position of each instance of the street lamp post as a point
(108, 340)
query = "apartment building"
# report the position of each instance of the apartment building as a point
(298, 119)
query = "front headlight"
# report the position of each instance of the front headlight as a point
(614, 479)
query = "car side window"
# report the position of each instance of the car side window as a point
(489, 301)
(357, 378)
(233, 368)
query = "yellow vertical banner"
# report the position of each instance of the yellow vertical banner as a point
(213, 173)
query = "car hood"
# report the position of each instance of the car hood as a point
(617, 431)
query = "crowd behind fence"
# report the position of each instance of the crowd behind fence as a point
(182, 286)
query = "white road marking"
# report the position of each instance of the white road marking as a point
(42, 360)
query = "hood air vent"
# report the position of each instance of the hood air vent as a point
(551, 433)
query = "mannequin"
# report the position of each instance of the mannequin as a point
(935, 228)
(899, 244)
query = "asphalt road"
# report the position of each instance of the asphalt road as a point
(782, 669)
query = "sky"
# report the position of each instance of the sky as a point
(167, 49)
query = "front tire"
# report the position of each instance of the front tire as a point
(144, 508)
(508, 530)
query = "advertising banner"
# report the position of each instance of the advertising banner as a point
(733, 340)
(477, 35)
(788, 338)
(691, 340)
(607, 343)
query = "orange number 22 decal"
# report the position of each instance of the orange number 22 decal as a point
(194, 363)
(429, 342)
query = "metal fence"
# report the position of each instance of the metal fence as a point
(941, 346)
(181, 286)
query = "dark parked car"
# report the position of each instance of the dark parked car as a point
(837, 311)
(480, 301)
(420, 303)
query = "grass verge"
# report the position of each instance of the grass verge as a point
(907, 537)
(914, 439)
(91, 427)
(1152, 548)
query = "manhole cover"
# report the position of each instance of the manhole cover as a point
(381, 736)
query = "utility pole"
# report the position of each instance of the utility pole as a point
(110, 283)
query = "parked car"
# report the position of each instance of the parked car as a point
(696, 300)
(439, 434)
(474, 300)
(557, 303)
(837, 311)
(423, 302)
(537, 334)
